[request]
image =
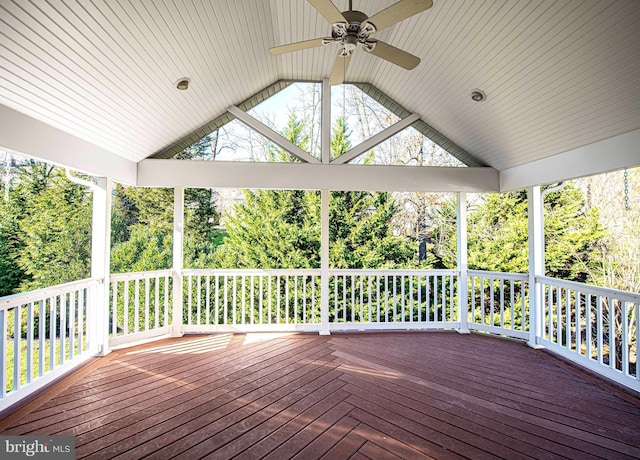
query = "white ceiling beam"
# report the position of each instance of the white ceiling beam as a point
(376, 139)
(272, 135)
(305, 176)
(615, 153)
(27, 136)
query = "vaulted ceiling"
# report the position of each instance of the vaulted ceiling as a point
(559, 74)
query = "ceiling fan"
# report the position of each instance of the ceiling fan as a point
(350, 28)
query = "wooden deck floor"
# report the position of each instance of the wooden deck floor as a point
(378, 396)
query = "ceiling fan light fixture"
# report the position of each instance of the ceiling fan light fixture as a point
(183, 84)
(478, 95)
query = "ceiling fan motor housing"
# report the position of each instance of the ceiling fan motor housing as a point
(350, 33)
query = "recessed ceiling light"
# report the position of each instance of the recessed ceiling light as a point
(183, 84)
(478, 95)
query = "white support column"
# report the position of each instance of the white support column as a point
(325, 122)
(178, 260)
(324, 263)
(463, 262)
(100, 266)
(536, 267)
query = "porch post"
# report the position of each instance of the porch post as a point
(324, 263)
(178, 260)
(463, 259)
(100, 265)
(536, 265)
(325, 124)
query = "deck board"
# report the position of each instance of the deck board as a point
(388, 395)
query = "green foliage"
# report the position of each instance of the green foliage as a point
(498, 234)
(274, 229)
(281, 229)
(55, 228)
(142, 229)
(11, 274)
(360, 232)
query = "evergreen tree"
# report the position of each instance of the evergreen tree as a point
(11, 274)
(498, 234)
(281, 229)
(55, 227)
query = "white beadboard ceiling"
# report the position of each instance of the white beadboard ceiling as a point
(559, 74)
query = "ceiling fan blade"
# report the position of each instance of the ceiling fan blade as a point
(327, 9)
(397, 12)
(395, 55)
(339, 70)
(297, 46)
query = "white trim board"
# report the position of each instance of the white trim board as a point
(304, 176)
(27, 136)
(615, 153)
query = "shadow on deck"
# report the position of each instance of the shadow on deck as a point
(383, 395)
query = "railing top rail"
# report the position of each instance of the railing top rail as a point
(250, 272)
(397, 272)
(140, 275)
(51, 291)
(590, 289)
(502, 275)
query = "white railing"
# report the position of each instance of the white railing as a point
(139, 306)
(286, 300)
(592, 326)
(499, 303)
(393, 299)
(47, 332)
(43, 334)
(251, 300)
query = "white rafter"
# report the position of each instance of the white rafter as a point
(270, 134)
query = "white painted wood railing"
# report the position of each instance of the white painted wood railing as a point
(139, 306)
(592, 326)
(44, 334)
(251, 300)
(286, 300)
(499, 303)
(393, 299)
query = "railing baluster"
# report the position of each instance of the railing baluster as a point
(260, 302)
(207, 303)
(252, 297)
(353, 300)
(146, 303)
(625, 338)
(501, 303)
(234, 315)
(403, 312)
(286, 299)
(244, 304)
(198, 299)
(41, 334)
(114, 308)
(29, 342)
(166, 301)
(225, 311)
(3, 350)
(156, 307)
(17, 338)
(72, 323)
(612, 333)
(569, 336)
(136, 306)
(52, 332)
(63, 326)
